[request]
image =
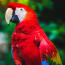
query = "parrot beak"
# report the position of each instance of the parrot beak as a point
(8, 15)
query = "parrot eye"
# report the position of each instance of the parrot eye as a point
(21, 9)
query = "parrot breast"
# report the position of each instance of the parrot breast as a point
(23, 38)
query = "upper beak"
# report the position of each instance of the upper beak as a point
(8, 15)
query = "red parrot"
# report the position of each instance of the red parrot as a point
(30, 45)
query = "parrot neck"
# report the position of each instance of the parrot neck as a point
(27, 26)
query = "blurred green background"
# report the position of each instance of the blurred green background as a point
(51, 16)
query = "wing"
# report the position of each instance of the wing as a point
(48, 50)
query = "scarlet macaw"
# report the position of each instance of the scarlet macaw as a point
(30, 45)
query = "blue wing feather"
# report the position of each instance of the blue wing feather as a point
(44, 63)
(12, 52)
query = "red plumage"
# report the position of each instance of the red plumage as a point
(29, 42)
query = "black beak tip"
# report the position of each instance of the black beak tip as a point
(8, 24)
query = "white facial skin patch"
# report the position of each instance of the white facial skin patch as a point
(21, 13)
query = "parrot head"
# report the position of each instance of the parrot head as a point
(17, 13)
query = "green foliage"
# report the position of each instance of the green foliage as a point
(47, 3)
(23, 1)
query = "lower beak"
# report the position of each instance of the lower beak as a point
(15, 19)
